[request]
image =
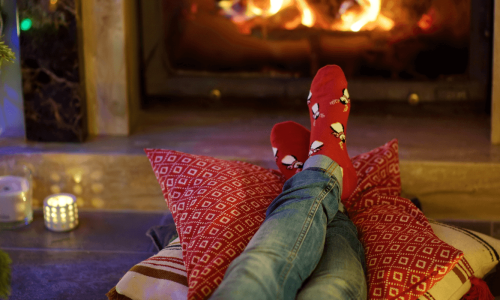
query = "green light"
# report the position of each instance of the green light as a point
(26, 24)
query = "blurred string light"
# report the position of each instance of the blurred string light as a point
(53, 2)
(26, 24)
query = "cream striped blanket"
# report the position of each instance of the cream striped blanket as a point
(162, 276)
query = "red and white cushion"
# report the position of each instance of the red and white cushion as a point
(404, 257)
(217, 207)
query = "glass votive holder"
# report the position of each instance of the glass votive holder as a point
(16, 185)
(60, 212)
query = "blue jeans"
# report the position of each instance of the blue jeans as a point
(306, 248)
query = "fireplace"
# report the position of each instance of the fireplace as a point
(398, 50)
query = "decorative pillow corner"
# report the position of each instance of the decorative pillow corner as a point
(404, 257)
(217, 206)
(162, 276)
(481, 255)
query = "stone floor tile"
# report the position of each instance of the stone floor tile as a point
(97, 231)
(76, 275)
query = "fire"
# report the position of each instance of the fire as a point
(355, 15)
(308, 17)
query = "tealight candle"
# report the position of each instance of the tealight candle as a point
(15, 204)
(60, 212)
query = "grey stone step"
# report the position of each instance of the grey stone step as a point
(447, 160)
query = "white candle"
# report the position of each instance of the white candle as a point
(60, 212)
(14, 193)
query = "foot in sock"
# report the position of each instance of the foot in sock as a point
(290, 142)
(329, 107)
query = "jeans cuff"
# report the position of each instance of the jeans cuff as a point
(328, 165)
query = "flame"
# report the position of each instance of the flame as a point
(355, 15)
(275, 6)
(308, 17)
(370, 15)
(354, 21)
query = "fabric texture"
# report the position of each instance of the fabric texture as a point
(481, 255)
(162, 234)
(217, 206)
(329, 107)
(200, 190)
(289, 244)
(162, 276)
(289, 141)
(404, 257)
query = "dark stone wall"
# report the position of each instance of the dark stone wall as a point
(54, 99)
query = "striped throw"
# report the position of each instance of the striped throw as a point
(162, 276)
(481, 254)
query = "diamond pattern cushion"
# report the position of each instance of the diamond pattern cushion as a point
(217, 207)
(404, 257)
(481, 255)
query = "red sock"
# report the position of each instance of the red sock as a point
(290, 146)
(329, 107)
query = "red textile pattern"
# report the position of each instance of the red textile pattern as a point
(217, 207)
(404, 257)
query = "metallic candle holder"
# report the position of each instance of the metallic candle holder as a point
(60, 212)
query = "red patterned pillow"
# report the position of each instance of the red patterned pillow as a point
(379, 170)
(404, 257)
(217, 207)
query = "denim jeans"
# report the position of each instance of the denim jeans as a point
(306, 248)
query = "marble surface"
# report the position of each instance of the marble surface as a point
(53, 101)
(11, 96)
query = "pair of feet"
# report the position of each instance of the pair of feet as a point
(329, 106)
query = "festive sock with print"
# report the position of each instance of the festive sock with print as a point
(290, 146)
(329, 107)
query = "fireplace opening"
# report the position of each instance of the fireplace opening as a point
(436, 49)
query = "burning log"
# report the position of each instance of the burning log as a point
(296, 37)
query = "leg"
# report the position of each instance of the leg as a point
(288, 245)
(340, 273)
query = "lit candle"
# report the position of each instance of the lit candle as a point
(60, 212)
(15, 204)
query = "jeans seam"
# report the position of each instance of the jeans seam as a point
(332, 183)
